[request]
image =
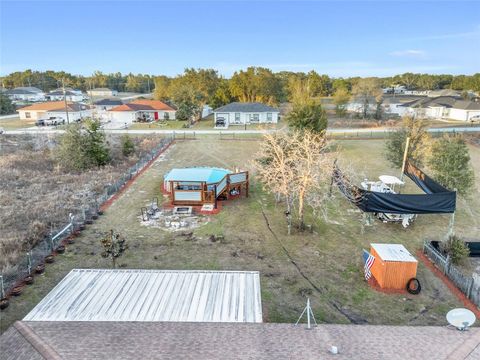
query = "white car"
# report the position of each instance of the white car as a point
(54, 121)
(2, 130)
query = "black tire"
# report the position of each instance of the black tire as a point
(413, 286)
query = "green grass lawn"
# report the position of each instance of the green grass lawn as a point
(328, 259)
(16, 123)
(166, 125)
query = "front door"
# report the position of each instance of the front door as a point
(155, 115)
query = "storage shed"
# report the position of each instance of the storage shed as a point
(393, 265)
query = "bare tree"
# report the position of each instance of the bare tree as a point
(295, 165)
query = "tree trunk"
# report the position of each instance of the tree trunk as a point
(301, 215)
(113, 261)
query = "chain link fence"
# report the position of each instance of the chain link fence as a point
(469, 285)
(34, 260)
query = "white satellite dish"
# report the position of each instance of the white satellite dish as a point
(461, 318)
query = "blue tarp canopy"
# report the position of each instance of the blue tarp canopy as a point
(204, 174)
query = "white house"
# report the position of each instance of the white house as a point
(238, 113)
(46, 110)
(29, 93)
(464, 110)
(141, 110)
(102, 92)
(70, 94)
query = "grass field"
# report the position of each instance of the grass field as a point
(328, 260)
(16, 123)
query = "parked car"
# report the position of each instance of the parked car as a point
(54, 121)
(2, 130)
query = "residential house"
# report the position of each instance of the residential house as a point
(101, 107)
(142, 110)
(358, 103)
(30, 93)
(46, 110)
(238, 113)
(443, 107)
(70, 95)
(465, 110)
(102, 92)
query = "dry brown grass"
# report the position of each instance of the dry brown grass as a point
(36, 194)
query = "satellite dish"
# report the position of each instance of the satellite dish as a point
(461, 318)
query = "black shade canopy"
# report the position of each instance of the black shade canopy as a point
(436, 200)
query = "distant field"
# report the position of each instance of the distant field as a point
(16, 123)
(329, 257)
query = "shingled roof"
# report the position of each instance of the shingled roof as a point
(246, 107)
(177, 340)
(144, 104)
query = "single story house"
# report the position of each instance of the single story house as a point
(142, 110)
(28, 93)
(102, 92)
(107, 104)
(70, 94)
(464, 110)
(443, 107)
(238, 113)
(46, 110)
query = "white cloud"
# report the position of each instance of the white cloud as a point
(419, 54)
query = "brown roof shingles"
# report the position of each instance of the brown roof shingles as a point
(143, 104)
(180, 340)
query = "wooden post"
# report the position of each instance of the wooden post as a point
(215, 194)
(172, 192)
(247, 185)
(405, 155)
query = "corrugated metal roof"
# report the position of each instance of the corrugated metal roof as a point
(153, 295)
(393, 252)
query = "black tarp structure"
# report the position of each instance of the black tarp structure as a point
(436, 200)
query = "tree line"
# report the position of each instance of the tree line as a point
(252, 84)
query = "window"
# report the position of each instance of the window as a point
(269, 117)
(237, 118)
(166, 116)
(27, 115)
(254, 117)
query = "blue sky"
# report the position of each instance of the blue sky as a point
(156, 37)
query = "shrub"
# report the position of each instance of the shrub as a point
(128, 147)
(456, 248)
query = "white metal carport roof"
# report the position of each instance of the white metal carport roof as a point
(153, 295)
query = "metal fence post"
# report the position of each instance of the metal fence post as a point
(470, 287)
(447, 265)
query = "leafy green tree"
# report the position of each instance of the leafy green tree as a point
(368, 90)
(188, 103)
(420, 142)
(96, 149)
(82, 148)
(70, 152)
(128, 147)
(308, 115)
(162, 88)
(6, 105)
(114, 246)
(256, 84)
(341, 98)
(222, 95)
(450, 163)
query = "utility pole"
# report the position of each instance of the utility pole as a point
(65, 100)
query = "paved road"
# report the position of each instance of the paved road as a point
(348, 131)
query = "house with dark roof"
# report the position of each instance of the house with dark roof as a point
(142, 110)
(238, 113)
(28, 93)
(70, 94)
(443, 107)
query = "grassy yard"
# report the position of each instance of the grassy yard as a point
(328, 260)
(16, 123)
